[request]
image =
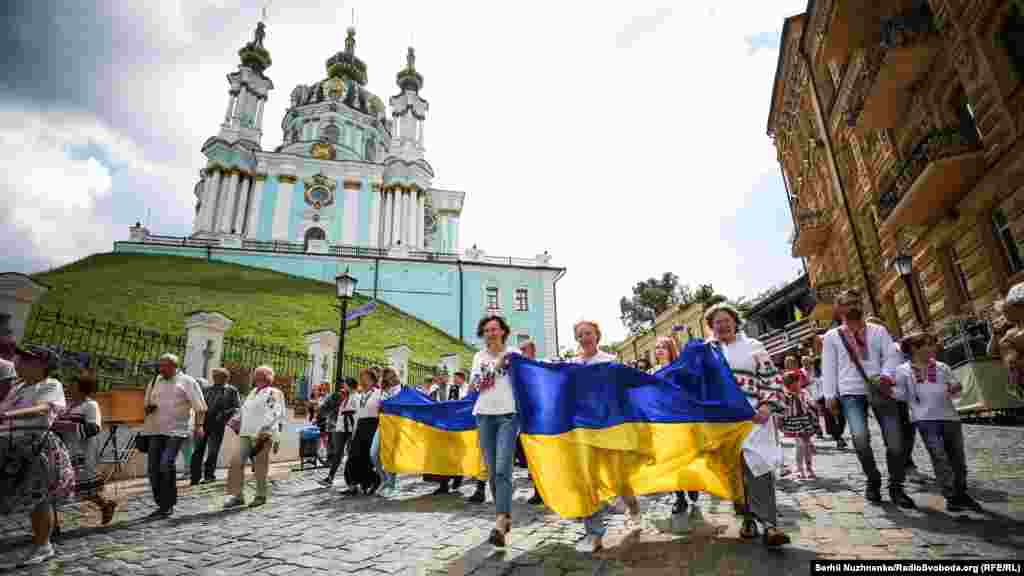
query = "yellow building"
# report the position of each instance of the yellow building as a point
(898, 127)
(682, 322)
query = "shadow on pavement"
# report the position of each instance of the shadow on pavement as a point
(992, 527)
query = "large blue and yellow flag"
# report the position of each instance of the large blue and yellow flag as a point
(420, 436)
(591, 433)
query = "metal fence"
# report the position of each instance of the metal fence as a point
(122, 355)
(418, 373)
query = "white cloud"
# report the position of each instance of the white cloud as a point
(622, 162)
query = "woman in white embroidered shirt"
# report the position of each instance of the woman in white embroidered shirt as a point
(588, 336)
(496, 417)
(258, 426)
(755, 373)
(929, 388)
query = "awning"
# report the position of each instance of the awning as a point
(822, 312)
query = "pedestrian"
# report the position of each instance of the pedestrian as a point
(80, 427)
(344, 426)
(858, 360)
(666, 351)
(588, 336)
(798, 419)
(222, 403)
(529, 350)
(46, 475)
(175, 410)
(811, 384)
(496, 417)
(929, 387)
(456, 390)
(756, 375)
(258, 424)
(835, 423)
(1007, 340)
(327, 421)
(360, 474)
(643, 365)
(390, 388)
(909, 431)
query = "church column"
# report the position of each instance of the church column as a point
(227, 197)
(385, 219)
(410, 218)
(396, 228)
(375, 198)
(218, 199)
(259, 113)
(421, 232)
(209, 200)
(442, 227)
(255, 199)
(283, 210)
(244, 190)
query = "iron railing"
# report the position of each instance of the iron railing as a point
(418, 373)
(122, 355)
(939, 144)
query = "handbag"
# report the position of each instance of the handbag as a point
(874, 393)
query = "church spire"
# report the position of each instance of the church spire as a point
(253, 54)
(409, 78)
(346, 65)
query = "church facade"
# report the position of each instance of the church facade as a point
(350, 189)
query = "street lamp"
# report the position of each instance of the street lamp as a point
(346, 286)
(905, 267)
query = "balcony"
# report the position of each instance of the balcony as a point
(905, 50)
(929, 183)
(850, 28)
(813, 230)
(789, 339)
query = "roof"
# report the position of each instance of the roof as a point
(788, 292)
(778, 85)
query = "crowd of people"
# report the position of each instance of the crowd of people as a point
(861, 369)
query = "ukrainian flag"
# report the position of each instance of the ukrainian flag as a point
(592, 433)
(420, 436)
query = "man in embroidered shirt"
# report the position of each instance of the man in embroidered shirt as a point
(845, 390)
(222, 402)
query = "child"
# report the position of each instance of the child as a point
(799, 420)
(80, 427)
(929, 388)
(1007, 340)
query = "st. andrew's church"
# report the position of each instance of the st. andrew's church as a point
(350, 189)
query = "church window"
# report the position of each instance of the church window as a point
(522, 299)
(493, 302)
(1013, 38)
(965, 116)
(314, 233)
(331, 133)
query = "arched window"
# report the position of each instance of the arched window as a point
(1013, 38)
(314, 234)
(330, 133)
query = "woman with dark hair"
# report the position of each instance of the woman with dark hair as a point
(344, 426)
(359, 470)
(497, 419)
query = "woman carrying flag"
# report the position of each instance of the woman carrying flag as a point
(755, 373)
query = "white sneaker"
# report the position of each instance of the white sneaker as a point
(590, 544)
(39, 555)
(634, 524)
(234, 502)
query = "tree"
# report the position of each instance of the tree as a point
(706, 296)
(650, 298)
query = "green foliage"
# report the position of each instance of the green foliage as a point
(650, 297)
(157, 292)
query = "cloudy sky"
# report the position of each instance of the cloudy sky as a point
(626, 138)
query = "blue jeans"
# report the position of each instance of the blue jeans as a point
(161, 455)
(498, 433)
(387, 479)
(945, 442)
(855, 409)
(595, 523)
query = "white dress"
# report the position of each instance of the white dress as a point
(755, 373)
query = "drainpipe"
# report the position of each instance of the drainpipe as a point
(554, 300)
(458, 262)
(792, 213)
(836, 181)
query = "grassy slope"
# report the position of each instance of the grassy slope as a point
(156, 292)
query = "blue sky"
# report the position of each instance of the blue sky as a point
(627, 142)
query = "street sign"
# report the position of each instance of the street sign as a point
(361, 311)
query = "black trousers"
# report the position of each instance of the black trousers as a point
(209, 444)
(336, 447)
(909, 432)
(161, 455)
(359, 469)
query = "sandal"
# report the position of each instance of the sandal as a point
(773, 538)
(749, 530)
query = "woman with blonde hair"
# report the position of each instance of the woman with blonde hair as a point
(666, 351)
(258, 425)
(588, 336)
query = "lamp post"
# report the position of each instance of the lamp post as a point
(346, 286)
(905, 266)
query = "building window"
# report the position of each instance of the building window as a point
(522, 299)
(954, 280)
(965, 116)
(492, 299)
(314, 234)
(331, 133)
(1001, 226)
(1013, 38)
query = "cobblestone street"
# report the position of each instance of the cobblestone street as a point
(306, 529)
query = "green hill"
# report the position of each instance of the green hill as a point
(156, 292)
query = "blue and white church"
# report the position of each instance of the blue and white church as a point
(350, 189)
